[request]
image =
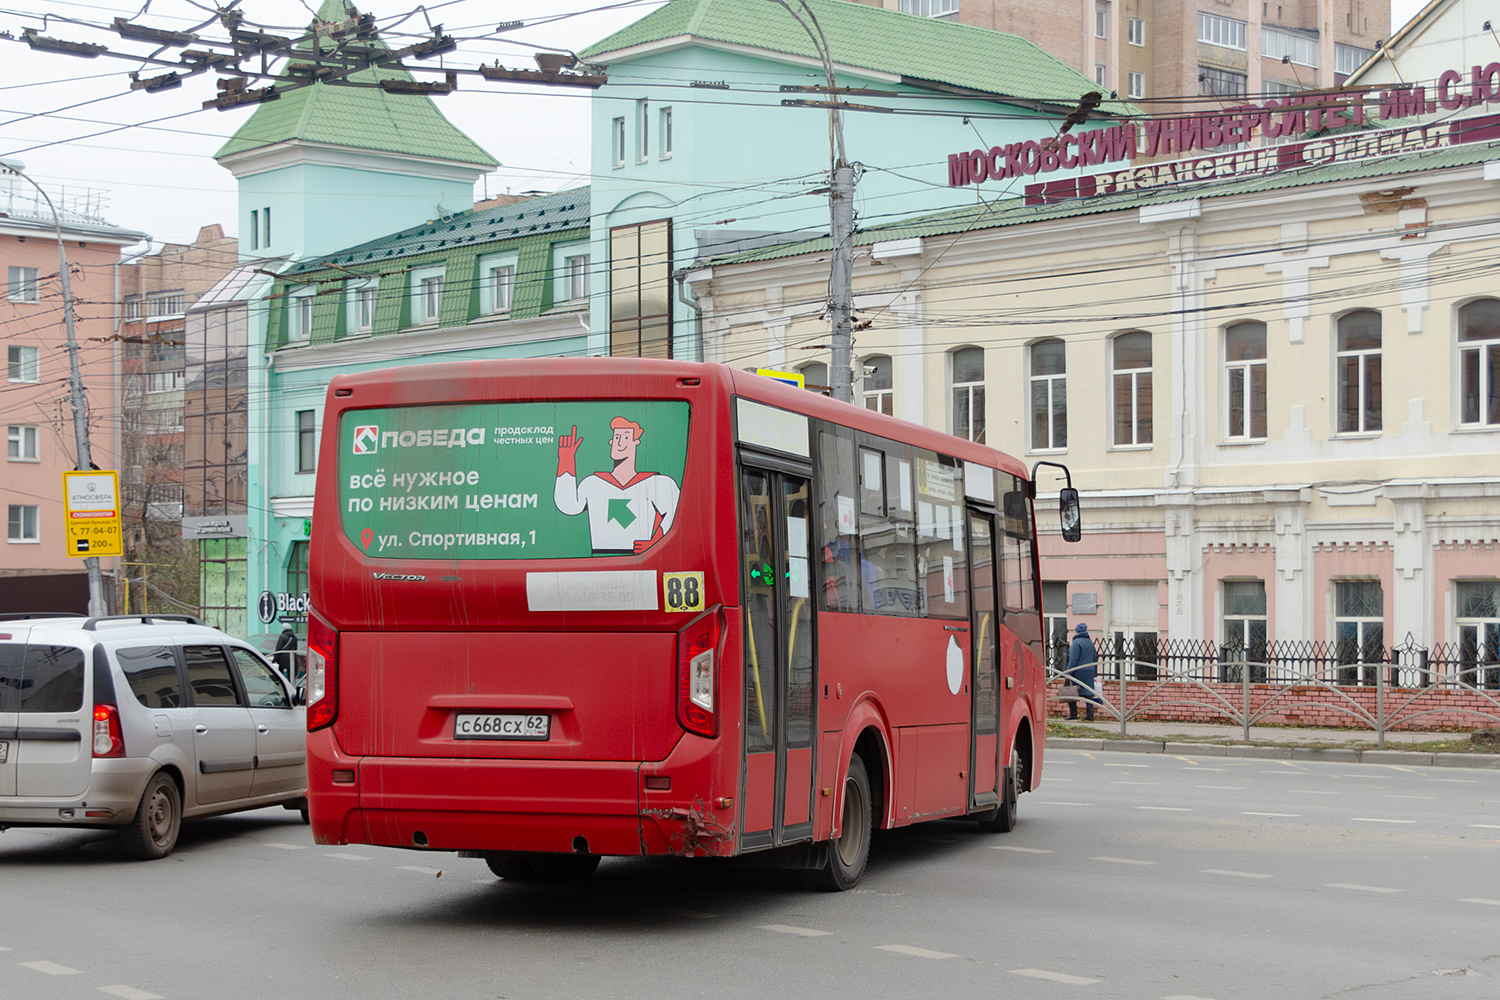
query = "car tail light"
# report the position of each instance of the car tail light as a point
(322, 674)
(697, 673)
(108, 740)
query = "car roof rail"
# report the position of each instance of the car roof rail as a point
(93, 623)
(20, 616)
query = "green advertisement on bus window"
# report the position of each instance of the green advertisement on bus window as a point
(511, 480)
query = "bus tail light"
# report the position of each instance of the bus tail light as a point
(108, 740)
(697, 673)
(322, 674)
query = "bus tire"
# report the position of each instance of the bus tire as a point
(850, 851)
(158, 821)
(1002, 819)
(523, 866)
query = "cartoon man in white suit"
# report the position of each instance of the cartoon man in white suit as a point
(629, 510)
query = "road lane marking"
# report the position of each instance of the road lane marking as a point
(1223, 788)
(1056, 977)
(1307, 791)
(1141, 766)
(1375, 819)
(1184, 996)
(798, 931)
(1357, 887)
(1123, 861)
(1166, 809)
(288, 847)
(1279, 815)
(347, 857)
(53, 969)
(1226, 871)
(1054, 802)
(129, 993)
(420, 870)
(1153, 783)
(903, 949)
(1485, 902)
(1425, 798)
(1019, 850)
(1484, 826)
(1050, 778)
(1454, 781)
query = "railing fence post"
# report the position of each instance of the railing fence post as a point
(1245, 697)
(1380, 708)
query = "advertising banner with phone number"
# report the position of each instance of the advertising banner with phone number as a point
(511, 480)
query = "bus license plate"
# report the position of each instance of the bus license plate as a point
(495, 726)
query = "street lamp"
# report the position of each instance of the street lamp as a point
(97, 607)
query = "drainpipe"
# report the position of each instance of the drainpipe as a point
(692, 304)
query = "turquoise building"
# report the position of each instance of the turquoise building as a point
(362, 247)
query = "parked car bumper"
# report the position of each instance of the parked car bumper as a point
(113, 795)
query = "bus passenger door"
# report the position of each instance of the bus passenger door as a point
(984, 751)
(775, 521)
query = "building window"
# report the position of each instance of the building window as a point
(1137, 31)
(576, 269)
(815, 377)
(1101, 22)
(1132, 387)
(426, 294)
(163, 304)
(132, 308)
(968, 393)
(1348, 58)
(1478, 621)
(300, 316)
(1244, 630)
(929, 8)
(1055, 628)
(1278, 88)
(1478, 363)
(1289, 46)
(1359, 630)
(666, 133)
(499, 285)
(1359, 372)
(168, 381)
(1245, 373)
(1220, 82)
(878, 387)
(643, 131)
(640, 290)
(1049, 395)
(360, 303)
(297, 583)
(21, 523)
(21, 364)
(1137, 84)
(265, 221)
(255, 229)
(20, 443)
(21, 284)
(307, 441)
(617, 141)
(1225, 32)
(1099, 73)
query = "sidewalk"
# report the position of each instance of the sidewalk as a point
(1276, 742)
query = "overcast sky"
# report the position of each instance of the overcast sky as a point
(76, 124)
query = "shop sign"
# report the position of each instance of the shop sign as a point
(222, 526)
(91, 514)
(285, 606)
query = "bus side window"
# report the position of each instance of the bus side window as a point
(838, 519)
(887, 530)
(941, 561)
(1019, 587)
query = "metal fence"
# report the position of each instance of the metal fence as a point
(1366, 685)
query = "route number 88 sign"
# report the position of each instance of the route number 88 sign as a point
(682, 591)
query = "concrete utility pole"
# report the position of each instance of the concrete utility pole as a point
(97, 606)
(840, 223)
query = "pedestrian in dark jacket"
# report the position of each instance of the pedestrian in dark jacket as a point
(286, 652)
(1083, 670)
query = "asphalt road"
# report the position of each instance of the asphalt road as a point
(1132, 876)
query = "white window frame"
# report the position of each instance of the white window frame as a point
(1359, 669)
(1486, 351)
(1101, 21)
(131, 308)
(1054, 389)
(1129, 394)
(664, 132)
(21, 443)
(1243, 619)
(1289, 45)
(1243, 369)
(356, 295)
(298, 432)
(970, 392)
(168, 381)
(17, 523)
(1137, 84)
(1099, 71)
(1348, 58)
(1137, 30)
(874, 396)
(643, 130)
(617, 141)
(1360, 359)
(1225, 32)
(929, 8)
(23, 284)
(426, 294)
(299, 315)
(491, 303)
(22, 363)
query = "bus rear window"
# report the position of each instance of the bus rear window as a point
(511, 480)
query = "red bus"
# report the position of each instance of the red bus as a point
(568, 608)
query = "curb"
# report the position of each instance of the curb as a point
(1336, 755)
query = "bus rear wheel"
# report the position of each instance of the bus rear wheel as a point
(850, 851)
(1002, 819)
(524, 866)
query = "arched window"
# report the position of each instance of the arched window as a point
(968, 393)
(815, 377)
(1479, 362)
(1245, 380)
(1049, 395)
(1359, 372)
(878, 385)
(1132, 388)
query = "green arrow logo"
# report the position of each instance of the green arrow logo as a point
(620, 513)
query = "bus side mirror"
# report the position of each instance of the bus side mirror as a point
(1072, 515)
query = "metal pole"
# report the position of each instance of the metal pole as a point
(97, 606)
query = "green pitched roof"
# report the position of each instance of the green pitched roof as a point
(364, 118)
(920, 50)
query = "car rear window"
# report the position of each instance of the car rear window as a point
(152, 673)
(38, 678)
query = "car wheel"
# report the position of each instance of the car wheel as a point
(523, 866)
(850, 851)
(158, 820)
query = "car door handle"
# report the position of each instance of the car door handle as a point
(200, 728)
(262, 729)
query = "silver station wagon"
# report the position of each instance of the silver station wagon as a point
(139, 722)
